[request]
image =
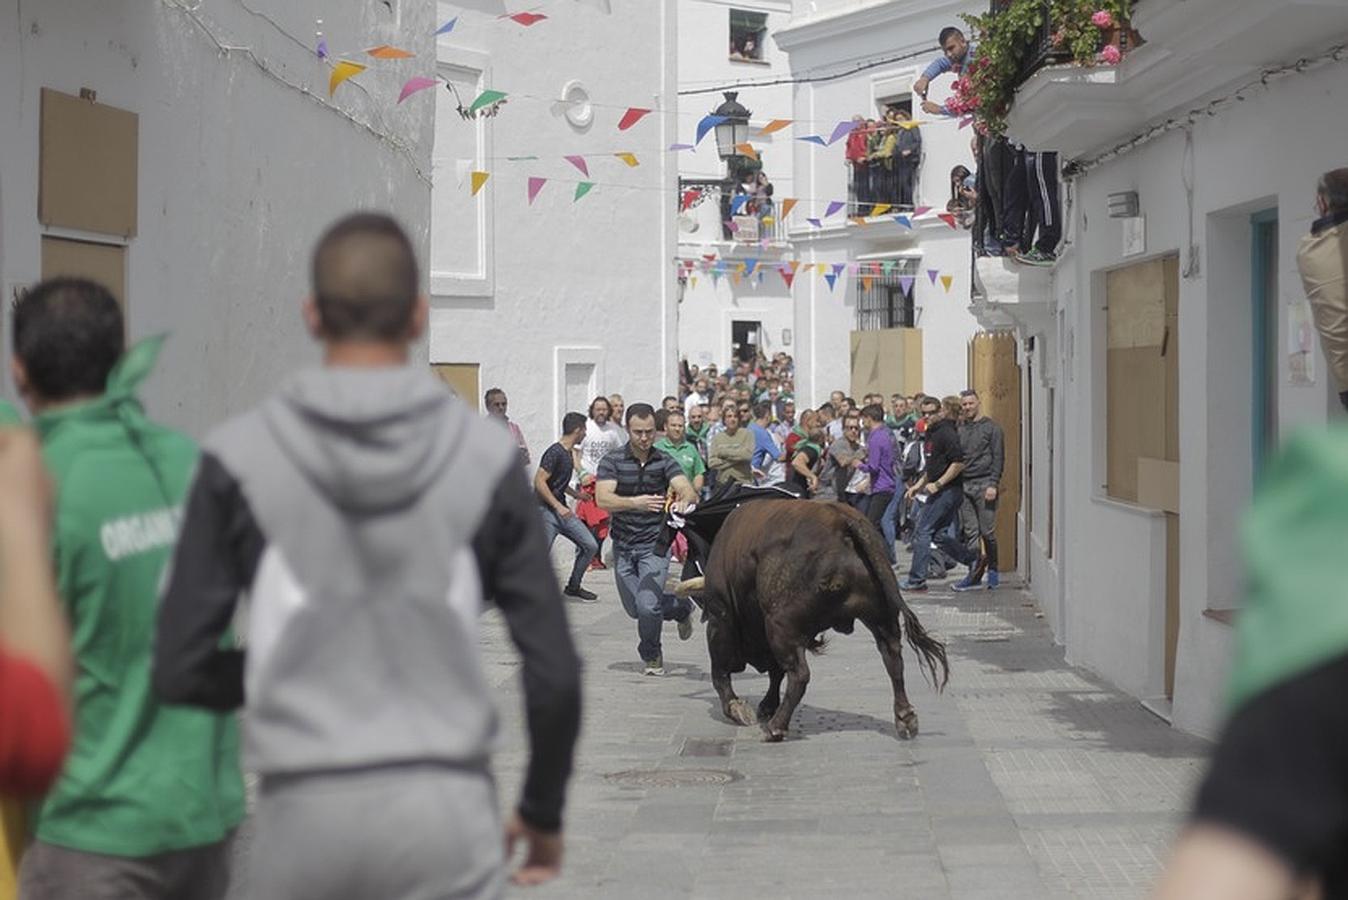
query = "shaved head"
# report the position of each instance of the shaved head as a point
(365, 279)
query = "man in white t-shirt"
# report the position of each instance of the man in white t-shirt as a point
(601, 436)
(700, 396)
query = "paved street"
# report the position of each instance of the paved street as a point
(1030, 779)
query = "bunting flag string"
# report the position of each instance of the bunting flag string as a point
(867, 271)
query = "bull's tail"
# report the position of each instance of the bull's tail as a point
(929, 651)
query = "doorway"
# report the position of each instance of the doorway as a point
(745, 338)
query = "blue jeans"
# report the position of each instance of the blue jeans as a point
(574, 530)
(889, 525)
(640, 575)
(933, 523)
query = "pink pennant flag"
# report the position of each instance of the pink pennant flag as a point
(536, 185)
(526, 18)
(579, 163)
(922, 210)
(966, 122)
(932, 273)
(833, 207)
(420, 83)
(632, 117)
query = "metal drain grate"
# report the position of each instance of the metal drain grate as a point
(706, 747)
(673, 777)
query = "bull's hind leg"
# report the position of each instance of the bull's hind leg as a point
(735, 709)
(773, 698)
(890, 645)
(797, 680)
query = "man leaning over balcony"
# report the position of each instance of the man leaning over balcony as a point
(956, 55)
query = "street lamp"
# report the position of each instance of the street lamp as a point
(734, 130)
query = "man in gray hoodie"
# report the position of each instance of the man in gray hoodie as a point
(370, 517)
(984, 457)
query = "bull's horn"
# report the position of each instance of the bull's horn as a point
(690, 586)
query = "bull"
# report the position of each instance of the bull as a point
(780, 572)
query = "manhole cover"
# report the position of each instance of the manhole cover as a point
(673, 777)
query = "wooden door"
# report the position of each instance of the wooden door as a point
(464, 379)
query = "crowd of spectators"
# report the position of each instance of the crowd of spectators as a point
(884, 156)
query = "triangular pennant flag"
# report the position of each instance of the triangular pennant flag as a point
(322, 49)
(419, 83)
(707, 124)
(746, 149)
(384, 51)
(904, 221)
(579, 163)
(880, 209)
(866, 282)
(693, 281)
(742, 268)
(341, 72)
(735, 277)
(815, 222)
(932, 273)
(732, 225)
(750, 265)
(906, 283)
(520, 158)
(857, 220)
(966, 122)
(833, 207)
(842, 130)
(535, 185)
(737, 203)
(922, 210)
(814, 139)
(486, 98)
(629, 158)
(448, 26)
(831, 279)
(631, 117)
(794, 264)
(788, 276)
(715, 278)
(947, 218)
(947, 280)
(887, 267)
(839, 268)
(527, 18)
(787, 205)
(688, 197)
(582, 188)
(682, 147)
(479, 179)
(774, 125)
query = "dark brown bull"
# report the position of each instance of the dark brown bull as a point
(782, 572)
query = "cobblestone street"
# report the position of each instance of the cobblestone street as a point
(1030, 779)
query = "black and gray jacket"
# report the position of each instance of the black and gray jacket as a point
(369, 516)
(984, 452)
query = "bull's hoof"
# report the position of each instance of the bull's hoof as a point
(907, 725)
(773, 735)
(690, 587)
(740, 713)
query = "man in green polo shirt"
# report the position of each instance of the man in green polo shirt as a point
(685, 453)
(150, 794)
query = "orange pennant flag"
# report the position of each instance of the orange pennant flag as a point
(787, 205)
(947, 280)
(774, 125)
(866, 282)
(479, 179)
(341, 72)
(384, 51)
(746, 150)
(629, 158)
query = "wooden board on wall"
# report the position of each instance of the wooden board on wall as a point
(87, 169)
(104, 263)
(464, 379)
(995, 374)
(887, 360)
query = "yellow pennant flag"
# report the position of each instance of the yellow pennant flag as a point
(858, 220)
(629, 158)
(742, 268)
(479, 179)
(947, 280)
(880, 209)
(822, 268)
(735, 277)
(774, 125)
(746, 150)
(693, 281)
(787, 205)
(341, 72)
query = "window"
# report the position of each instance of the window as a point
(748, 31)
(885, 299)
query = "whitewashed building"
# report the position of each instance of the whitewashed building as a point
(557, 299)
(188, 155)
(910, 280)
(1171, 348)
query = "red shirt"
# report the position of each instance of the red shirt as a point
(34, 728)
(856, 144)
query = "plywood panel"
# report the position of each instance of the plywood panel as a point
(1137, 307)
(1158, 483)
(995, 375)
(1135, 416)
(87, 166)
(464, 379)
(104, 263)
(886, 360)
